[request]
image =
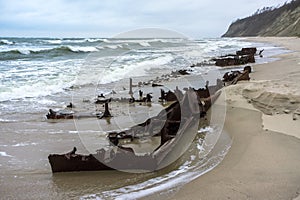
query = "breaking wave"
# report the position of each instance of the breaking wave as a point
(57, 51)
(6, 42)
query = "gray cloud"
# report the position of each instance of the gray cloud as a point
(195, 18)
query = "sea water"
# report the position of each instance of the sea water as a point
(41, 73)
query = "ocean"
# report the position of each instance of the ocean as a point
(41, 73)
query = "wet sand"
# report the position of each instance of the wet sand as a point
(264, 161)
(249, 168)
(25, 145)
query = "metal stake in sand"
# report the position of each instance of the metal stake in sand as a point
(162, 95)
(141, 94)
(106, 111)
(130, 87)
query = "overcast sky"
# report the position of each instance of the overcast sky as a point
(106, 18)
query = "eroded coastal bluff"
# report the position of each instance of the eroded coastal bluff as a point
(282, 21)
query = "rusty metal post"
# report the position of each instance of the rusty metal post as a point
(130, 86)
(106, 111)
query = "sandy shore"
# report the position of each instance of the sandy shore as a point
(263, 120)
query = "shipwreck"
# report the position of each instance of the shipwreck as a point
(244, 56)
(174, 127)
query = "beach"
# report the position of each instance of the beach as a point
(262, 119)
(48, 73)
(42, 74)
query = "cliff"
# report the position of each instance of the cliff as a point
(282, 21)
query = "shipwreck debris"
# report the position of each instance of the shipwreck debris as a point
(156, 85)
(59, 115)
(234, 60)
(180, 72)
(260, 53)
(106, 112)
(296, 114)
(244, 56)
(67, 114)
(146, 99)
(70, 105)
(174, 123)
(203, 63)
(130, 87)
(102, 101)
(231, 78)
(141, 94)
(247, 51)
(101, 96)
(170, 96)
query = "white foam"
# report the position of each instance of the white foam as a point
(47, 102)
(199, 146)
(206, 129)
(7, 120)
(73, 132)
(35, 79)
(144, 44)
(106, 41)
(83, 49)
(193, 157)
(116, 73)
(170, 181)
(6, 42)
(54, 41)
(96, 40)
(24, 51)
(34, 90)
(3, 153)
(56, 132)
(114, 46)
(22, 144)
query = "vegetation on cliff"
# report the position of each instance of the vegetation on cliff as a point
(282, 21)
